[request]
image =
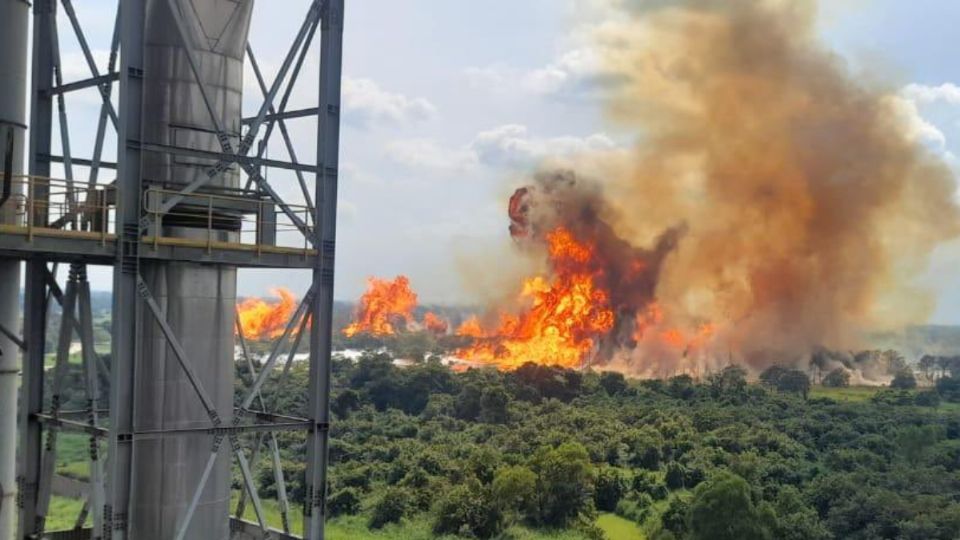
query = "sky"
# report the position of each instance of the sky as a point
(448, 104)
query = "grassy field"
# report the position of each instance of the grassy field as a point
(860, 394)
(618, 528)
(355, 527)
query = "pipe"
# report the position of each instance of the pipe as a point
(14, 22)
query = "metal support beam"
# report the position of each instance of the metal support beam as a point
(328, 158)
(280, 482)
(287, 115)
(62, 117)
(92, 386)
(31, 390)
(49, 458)
(287, 141)
(126, 309)
(41, 110)
(17, 340)
(244, 161)
(301, 311)
(239, 157)
(97, 81)
(88, 56)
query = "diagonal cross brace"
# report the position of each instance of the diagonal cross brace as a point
(178, 351)
(287, 141)
(301, 311)
(88, 56)
(205, 477)
(17, 340)
(274, 447)
(245, 145)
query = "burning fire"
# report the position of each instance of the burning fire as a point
(471, 328)
(265, 320)
(597, 297)
(385, 306)
(565, 315)
(434, 323)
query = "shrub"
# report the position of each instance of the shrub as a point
(344, 502)
(675, 476)
(904, 380)
(838, 378)
(390, 507)
(949, 388)
(636, 509)
(467, 510)
(930, 398)
(609, 488)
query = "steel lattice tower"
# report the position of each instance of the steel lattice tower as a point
(184, 205)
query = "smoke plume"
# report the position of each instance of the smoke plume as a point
(772, 194)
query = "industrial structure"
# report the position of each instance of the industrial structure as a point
(185, 205)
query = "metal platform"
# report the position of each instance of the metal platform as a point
(86, 231)
(59, 245)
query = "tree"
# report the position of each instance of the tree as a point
(613, 382)
(722, 509)
(838, 378)
(681, 387)
(943, 364)
(610, 487)
(949, 388)
(794, 381)
(675, 476)
(927, 364)
(904, 380)
(895, 361)
(344, 502)
(730, 381)
(772, 375)
(493, 405)
(344, 402)
(468, 509)
(468, 406)
(819, 362)
(390, 507)
(514, 489)
(564, 483)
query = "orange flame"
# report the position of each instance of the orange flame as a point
(566, 312)
(264, 320)
(471, 328)
(650, 322)
(385, 304)
(434, 323)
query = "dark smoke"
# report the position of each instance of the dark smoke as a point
(627, 272)
(807, 205)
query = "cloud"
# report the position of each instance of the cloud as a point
(510, 146)
(429, 154)
(366, 104)
(576, 71)
(572, 73)
(513, 145)
(924, 94)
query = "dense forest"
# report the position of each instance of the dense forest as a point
(484, 454)
(423, 451)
